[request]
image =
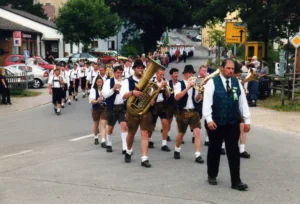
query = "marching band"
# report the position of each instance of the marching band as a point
(219, 96)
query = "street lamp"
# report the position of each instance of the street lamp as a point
(287, 46)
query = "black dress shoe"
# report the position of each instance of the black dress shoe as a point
(168, 138)
(212, 180)
(62, 106)
(199, 160)
(240, 186)
(193, 140)
(127, 158)
(206, 143)
(146, 164)
(96, 141)
(176, 155)
(55, 110)
(182, 142)
(76, 99)
(245, 155)
(109, 148)
(10, 103)
(165, 148)
(58, 113)
(223, 151)
(123, 151)
(103, 144)
(151, 144)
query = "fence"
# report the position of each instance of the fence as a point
(17, 82)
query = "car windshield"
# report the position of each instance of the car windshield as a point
(42, 61)
(91, 56)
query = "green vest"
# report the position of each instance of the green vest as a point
(225, 108)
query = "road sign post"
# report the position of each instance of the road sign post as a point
(282, 63)
(26, 56)
(296, 43)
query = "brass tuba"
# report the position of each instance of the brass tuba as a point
(139, 106)
(199, 86)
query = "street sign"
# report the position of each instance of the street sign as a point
(26, 54)
(296, 40)
(17, 36)
(282, 62)
(235, 32)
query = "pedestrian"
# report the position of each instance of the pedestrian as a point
(223, 106)
(55, 86)
(4, 88)
(98, 111)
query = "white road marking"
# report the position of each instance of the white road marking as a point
(81, 138)
(12, 155)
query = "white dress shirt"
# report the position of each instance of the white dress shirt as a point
(128, 72)
(56, 83)
(189, 103)
(108, 92)
(74, 74)
(83, 72)
(208, 100)
(160, 97)
(125, 86)
(92, 95)
(92, 75)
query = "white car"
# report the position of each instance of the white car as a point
(40, 74)
(17, 78)
(77, 56)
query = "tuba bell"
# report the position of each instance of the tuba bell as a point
(139, 106)
(252, 75)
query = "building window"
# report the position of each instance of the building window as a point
(95, 44)
(15, 50)
(111, 45)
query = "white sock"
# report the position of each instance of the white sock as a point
(242, 148)
(109, 140)
(223, 145)
(164, 142)
(169, 133)
(150, 139)
(58, 110)
(124, 143)
(96, 136)
(206, 136)
(103, 140)
(197, 154)
(144, 158)
(62, 104)
(129, 151)
(177, 149)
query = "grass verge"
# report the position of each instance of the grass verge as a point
(26, 93)
(274, 103)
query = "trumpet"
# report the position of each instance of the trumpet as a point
(197, 82)
(119, 81)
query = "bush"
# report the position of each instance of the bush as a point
(132, 48)
(272, 56)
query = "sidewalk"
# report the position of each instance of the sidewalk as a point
(23, 103)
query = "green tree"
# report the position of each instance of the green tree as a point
(151, 17)
(84, 20)
(26, 5)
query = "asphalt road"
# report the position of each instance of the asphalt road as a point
(40, 164)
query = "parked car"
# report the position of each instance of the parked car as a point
(18, 81)
(19, 59)
(109, 55)
(40, 74)
(75, 57)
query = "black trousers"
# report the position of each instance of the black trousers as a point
(57, 95)
(5, 95)
(230, 134)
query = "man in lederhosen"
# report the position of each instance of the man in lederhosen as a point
(83, 73)
(172, 103)
(115, 108)
(94, 72)
(187, 97)
(159, 109)
(55, 85)
(101, 73)
(74, 82)
(224, 104)
(134, 122)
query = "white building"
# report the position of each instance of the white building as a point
(50, 39)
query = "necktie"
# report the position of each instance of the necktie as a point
(227, 86)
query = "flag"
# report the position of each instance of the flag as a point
(166, 37)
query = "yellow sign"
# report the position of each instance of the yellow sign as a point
(296, 41)
(235, 32)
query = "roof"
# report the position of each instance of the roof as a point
(9, 25)
(30, 16)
